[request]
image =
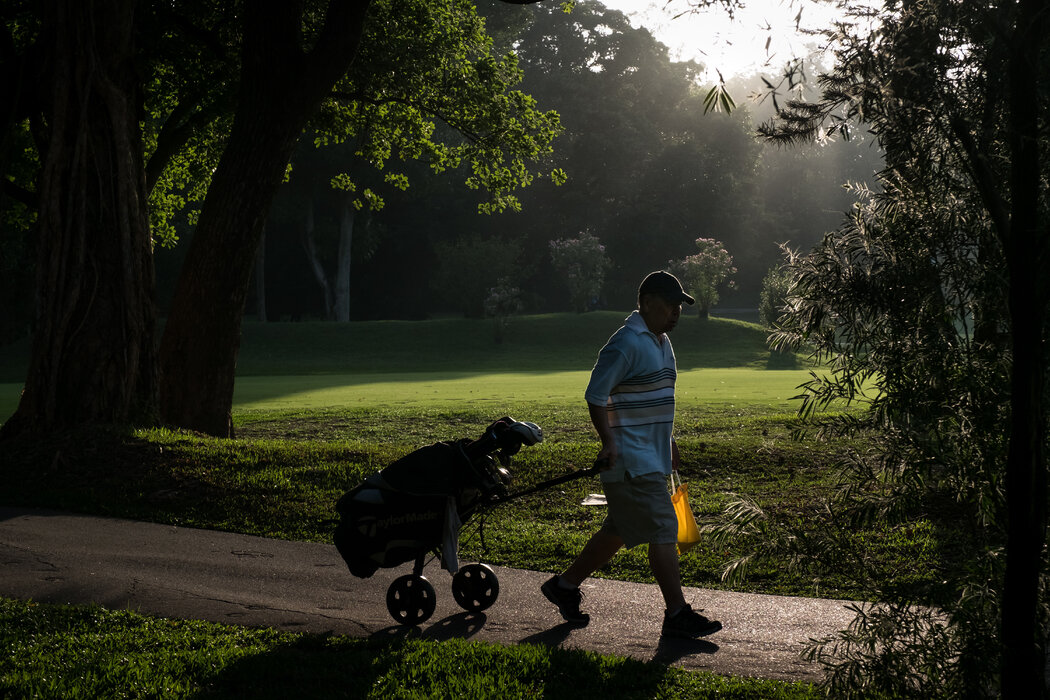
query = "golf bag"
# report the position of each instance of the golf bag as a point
(418, 503)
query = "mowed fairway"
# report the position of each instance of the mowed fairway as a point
(453, 364)
(504, 390)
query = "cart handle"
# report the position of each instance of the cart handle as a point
(571, 476)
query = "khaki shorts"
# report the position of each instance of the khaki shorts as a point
(640, 510)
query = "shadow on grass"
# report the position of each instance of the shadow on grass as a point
(306, 668)
(401, 662)
(98, 470)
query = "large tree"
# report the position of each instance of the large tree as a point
(286, 73)
(93, 346)
(224, 91)
(418, 63)
(935, 291)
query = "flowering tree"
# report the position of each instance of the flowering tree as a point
(703, 273)
(583, 264)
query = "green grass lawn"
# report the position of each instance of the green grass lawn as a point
(373, 363)
(89, 653)
(318, 407)
(724, 387)
(501, 393)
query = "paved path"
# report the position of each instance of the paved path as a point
(186, 573)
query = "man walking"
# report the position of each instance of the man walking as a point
(631, 402)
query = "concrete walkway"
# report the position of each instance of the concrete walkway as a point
(178, 572)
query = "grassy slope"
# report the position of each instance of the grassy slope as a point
(548, 342)
(552, 342)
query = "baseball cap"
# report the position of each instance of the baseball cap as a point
(666, 285)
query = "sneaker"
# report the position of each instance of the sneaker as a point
(567, 599)
(688, 624)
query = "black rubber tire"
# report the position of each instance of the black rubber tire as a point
(411, 600)
(475, 587)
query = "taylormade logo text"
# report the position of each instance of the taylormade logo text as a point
(370, 527)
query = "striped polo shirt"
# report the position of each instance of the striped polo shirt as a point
(634, 379)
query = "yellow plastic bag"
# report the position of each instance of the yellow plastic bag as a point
(688, 533)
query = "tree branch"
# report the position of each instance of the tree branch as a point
(470, 134)
(179, 129)
(199, 36)
(984, 178)
(339, 40)
(20, 194)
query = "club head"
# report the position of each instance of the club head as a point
(530, 432)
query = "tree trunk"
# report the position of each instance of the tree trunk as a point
(260, 279)
(1023, 673)
(314, 258)
(342, 277)
(281, 88)
(1026, 245)
(93, 357)
(198, 353)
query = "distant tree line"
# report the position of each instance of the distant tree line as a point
(647, 174)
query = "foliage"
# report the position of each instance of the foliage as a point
(644, 163)
(190, 57)
(917, 655)
(703, 273)
(419, 66)
(427, 100)
(428, 86)
(891, 300)
(671, 165)
(221, 94)
(17, 223)
(908, 297)
(718, 98)
(581, 263)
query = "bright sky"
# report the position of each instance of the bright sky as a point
(735, 47)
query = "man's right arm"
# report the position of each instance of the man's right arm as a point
(608, 372)
(600, 420)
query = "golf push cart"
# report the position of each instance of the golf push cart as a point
(416, 506)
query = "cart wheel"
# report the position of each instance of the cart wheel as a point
(475, 587)
(410, 599)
